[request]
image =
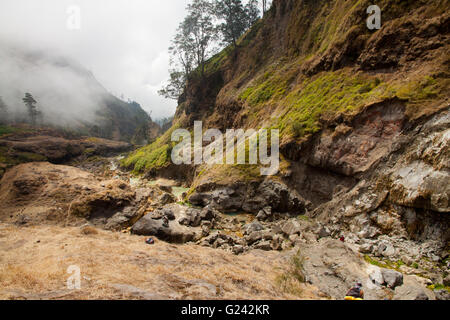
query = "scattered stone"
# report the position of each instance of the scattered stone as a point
(238, 249)
(366, 248)
(291, 227)
(422, 296)
(323, 232)
(252, 227)
(254, 237)
(264, 245)
(277, 242)
(442, 295)
(446, 281)
(166, 198)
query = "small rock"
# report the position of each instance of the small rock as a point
(407, 260)
(389, 251)
(323, 232)
(261, 216)
(435, 258)
(442, 295)
(252, 227)
(254, 237)
(238, 249)
(291, 227)
(366, 248)
(422, 296)
(277, 243)
(446, 281)
(264, 245)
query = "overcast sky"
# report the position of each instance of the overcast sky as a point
(123, 42)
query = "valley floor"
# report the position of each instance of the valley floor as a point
(34, 262)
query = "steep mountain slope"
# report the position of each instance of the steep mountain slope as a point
(355, 108)
(312, 64)
(68, 95)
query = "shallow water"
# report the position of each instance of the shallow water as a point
(178, 191)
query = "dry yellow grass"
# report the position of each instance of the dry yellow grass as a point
(34, 262)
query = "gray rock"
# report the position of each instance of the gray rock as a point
(264, 245)
(323, 232)
(122, 219)
(254, 237)
(446, 281)
(291, 227)
(411, 291)
(168, 213)
(166, 198)
(377, 277)
(277, 242)
(251, 197)
(261, 216)
(265, 214)
(206, 228)
(207, 214)
(389, 251)
(175, 233)
(392, 278)
(366, 248)
(422, 296)
(238, 249)
(252, 227)
(442, 295)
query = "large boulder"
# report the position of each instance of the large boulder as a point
(174, 233)
(385, 277)
(392, 278)
(267, 196)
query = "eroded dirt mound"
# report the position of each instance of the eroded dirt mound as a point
(42, 192)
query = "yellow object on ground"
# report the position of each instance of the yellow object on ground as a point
(352, 298)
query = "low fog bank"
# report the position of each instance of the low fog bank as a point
(66, 93)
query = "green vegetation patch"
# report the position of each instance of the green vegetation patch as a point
(270, 85)
(11, 158)
(147, 158)
(386, 264)
(439, 287)
(152, 156)
(329, 93)
(5, 130)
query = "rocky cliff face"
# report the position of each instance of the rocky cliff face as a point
(363, 117)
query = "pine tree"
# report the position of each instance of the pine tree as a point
(3, 112)
(33, 112)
